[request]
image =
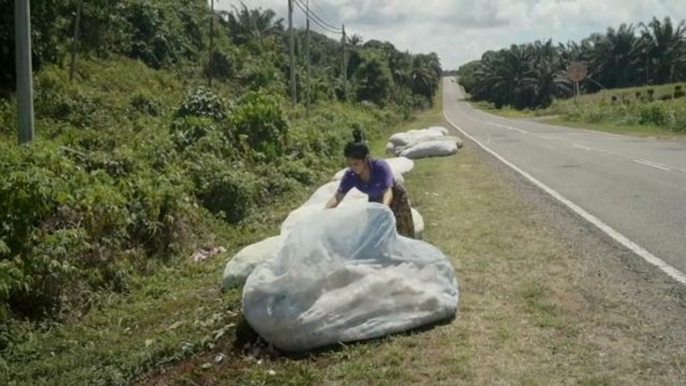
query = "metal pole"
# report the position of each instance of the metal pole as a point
(345, 66)
(292, 48)
(75, 43)
(22, 25)
(209, 62)
(307, 55)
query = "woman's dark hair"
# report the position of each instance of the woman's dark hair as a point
(357, 149)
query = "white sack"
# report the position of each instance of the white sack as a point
(430, 138)
(245, 261)
(390, 149)
(400, 139)
(430, 149)
(400, 165)
(439, 129)
(339, 175)
(346, 275)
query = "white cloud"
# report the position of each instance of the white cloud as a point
(461, 30)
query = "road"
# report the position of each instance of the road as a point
(636, 186)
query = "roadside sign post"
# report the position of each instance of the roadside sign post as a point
(576, 72)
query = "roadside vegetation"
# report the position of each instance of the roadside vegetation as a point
(635, 80)
(534, 309)
(643, 111)
(138, 163)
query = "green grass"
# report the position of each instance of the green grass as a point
(635, 130)
(170, 315)
(525, 316)
(628, 115)
(507, 112)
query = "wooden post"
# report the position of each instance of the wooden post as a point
(75, 43)
(24, 71)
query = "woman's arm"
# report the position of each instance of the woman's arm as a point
(335, 200)
(388, 197)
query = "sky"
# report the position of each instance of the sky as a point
(462, 30)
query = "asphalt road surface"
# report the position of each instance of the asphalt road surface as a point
(637, 186)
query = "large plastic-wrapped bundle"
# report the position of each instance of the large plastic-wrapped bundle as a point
(430, 149)
(345, 275)
(430, 138)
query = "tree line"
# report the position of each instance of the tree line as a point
(530, 76)
(251, 48)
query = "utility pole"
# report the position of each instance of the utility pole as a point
(307, 55)
(290, 26)
(345, 66)
(75, 43)
(209, 61)
(22, 25)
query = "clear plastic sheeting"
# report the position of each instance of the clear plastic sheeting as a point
(345, 275)
(317, 203)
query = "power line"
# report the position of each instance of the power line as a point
(318, 20)
(322, 12)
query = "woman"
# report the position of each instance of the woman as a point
(374, 177)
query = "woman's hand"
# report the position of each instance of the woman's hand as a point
(335, 200)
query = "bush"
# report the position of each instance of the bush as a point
(653, 114)
(64, 226)
(258, 120)
(145, 103)
(222, 65)
(202, 102)
(190, 129)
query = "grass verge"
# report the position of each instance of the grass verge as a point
(506, 112)
(527, 315)
(634, 130)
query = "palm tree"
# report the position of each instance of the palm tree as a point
(355, 40)
(248, 25)
(616, 57)
(665, 48)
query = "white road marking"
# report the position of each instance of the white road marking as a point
(508, 127)
(652, 165)
(581, 147)
(587, 148)
(637, 249)
(517, 129)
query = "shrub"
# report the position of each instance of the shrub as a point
(63, 226)
(145, 103)
(653, 114)
(223, 189)
(258, 118)
(222, 65)
(188, 130)
(202, 102)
